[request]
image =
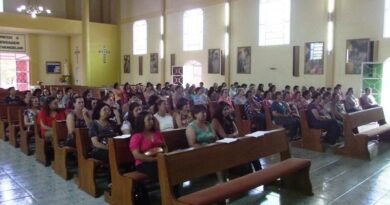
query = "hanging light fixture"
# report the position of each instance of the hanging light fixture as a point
(33, 8)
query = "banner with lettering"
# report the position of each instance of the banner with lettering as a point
(12, 42)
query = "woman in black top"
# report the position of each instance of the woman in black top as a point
(223, 121)
(100, 130)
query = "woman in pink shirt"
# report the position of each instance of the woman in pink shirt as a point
(145, 143)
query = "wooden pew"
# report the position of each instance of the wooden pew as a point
(3, 121)
(244, 126)
(25, 135)
(311, 138)
(122, 182)
(61, 152)
(356, 144)
(269, 123)
(179, 166)
(14, 123)
(42, 148)
(175, 139)
(86, 166)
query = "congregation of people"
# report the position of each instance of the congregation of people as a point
(144, 112)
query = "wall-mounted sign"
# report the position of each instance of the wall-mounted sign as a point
(12, 42)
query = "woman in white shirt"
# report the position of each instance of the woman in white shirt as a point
(164, 119)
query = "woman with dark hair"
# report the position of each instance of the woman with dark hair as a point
(87, 96)
(100, 130)
(316, 120)
(212, 94)
(252, 110)
(164, 118)
(282, 116)
(149, 91)
(117, 93)
(225, 97)
(199, 132)
(27, 98)
(182, 117)
(30, 113)
(223, 121)
(115, 117)
(267, 101)
(145, 143)
(50, 113)
(76, 118)
(129, 118)
(126, 93)
(351, 102)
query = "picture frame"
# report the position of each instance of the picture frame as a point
(154, 63)
(53, 67)
(357, 52)
(244, 60)
(126, 63)
(214, 62)
(314, 58)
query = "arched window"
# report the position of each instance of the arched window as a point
(140, 37)
(192, 72)
(274, 22)
(193, 30)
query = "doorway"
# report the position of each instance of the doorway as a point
(14, 71)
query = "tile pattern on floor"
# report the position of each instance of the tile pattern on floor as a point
(336, 180)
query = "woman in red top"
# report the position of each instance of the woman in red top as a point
(145, 143)
(50, 113)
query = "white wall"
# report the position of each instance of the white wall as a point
(354, 19)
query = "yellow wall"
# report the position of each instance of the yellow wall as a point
(54, 39)
(100, 73)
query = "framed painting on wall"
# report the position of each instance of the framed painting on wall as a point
(214, 60)
(314, 58)
(126, 64)
(53, 67)
(358, 51)
(154, 63)
(244, 60)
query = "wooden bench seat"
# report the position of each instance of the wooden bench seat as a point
(86, 166)
(311, 137)
(13, 112)
(43, 149)
(61, 152)
(356, 144)
(25, 135)
(183, 165)
(122, 182)
(3, 121)
(175, 139)
(242, 184)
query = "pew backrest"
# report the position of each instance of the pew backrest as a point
(119, 154)
(363, 117)
(60, 132)
(220, 156)
(83, 142)
(175, 139)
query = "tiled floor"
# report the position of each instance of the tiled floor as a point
(336, 180)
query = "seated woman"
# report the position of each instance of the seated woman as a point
(351, 102)
(199, 132)
(316, 120)
(76, 118)
(145, 143)
(240, 98)
(267, 101)
(182, 117)
(337, 108)
(27, 98)
(225, 97)
(282, 116)
(223, 122)
(253, 111)
(129, 118)
(100, 130)
(200, 98)
(12, 98)
(367, 100)
(30, 114)
(50, 113)
(164, 119)
(115, 116)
